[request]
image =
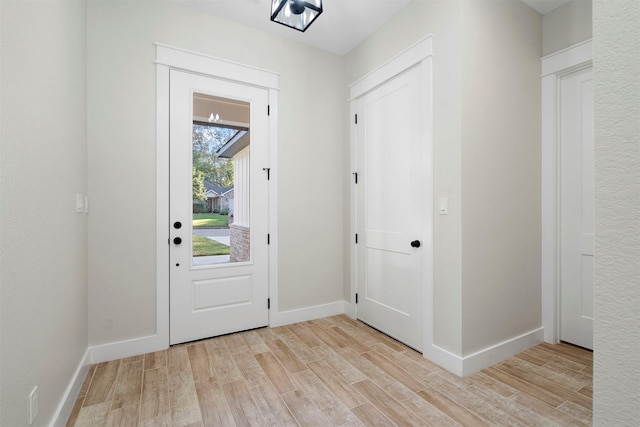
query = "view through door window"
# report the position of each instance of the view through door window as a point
(220, 165)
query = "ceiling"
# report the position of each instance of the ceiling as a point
(545, 6)
(340, 28)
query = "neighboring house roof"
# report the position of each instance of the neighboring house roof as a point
(213, 190)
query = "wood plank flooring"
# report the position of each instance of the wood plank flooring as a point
(331, 372)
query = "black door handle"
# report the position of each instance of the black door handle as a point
(415, 244)
(177, 240)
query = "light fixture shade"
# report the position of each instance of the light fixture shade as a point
(298, 14)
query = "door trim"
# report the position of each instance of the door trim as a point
(554, 67)
(418, 54)
(168, 58)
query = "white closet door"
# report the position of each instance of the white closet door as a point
(576, 208)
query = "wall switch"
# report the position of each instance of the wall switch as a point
(33, 405)
(86, 204)
(79, 203)
(443, 206)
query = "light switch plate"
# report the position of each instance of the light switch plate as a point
(443, 206)
(79, 203)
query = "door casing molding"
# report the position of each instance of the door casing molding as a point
(172, 58)
(554, 67)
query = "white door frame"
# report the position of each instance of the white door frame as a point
(420, 53)
(554, 67)
(168, 58)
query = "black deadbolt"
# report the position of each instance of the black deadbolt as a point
(415, 244)
(177, 240)
(177, 225)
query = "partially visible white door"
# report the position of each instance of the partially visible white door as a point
(215, 298)
(576, 208)
(390, 205)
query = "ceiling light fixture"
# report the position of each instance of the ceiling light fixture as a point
(298, 14)
(214, 119)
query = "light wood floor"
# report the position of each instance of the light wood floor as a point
(331, 372)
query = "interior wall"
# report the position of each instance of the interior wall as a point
(501, 193)
(43, 243)
(121, 140)
(417, 20)
(565, 26)
(616, 67)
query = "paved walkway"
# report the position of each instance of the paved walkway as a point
(220, 235)
(208, 260)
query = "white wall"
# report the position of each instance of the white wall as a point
(616, 67)
(121, 127)
(565, 26)
(501, 49)
(43, 243)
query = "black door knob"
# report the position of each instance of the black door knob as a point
(177, 240)
(415, 244)
(177, 225)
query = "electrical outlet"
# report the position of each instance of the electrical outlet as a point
(33, 405)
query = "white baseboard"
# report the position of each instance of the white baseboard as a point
(308, 313)
(501, 351)
(350, 310)
(148, 344)
(444, 358)
(63, 411)
(128, 348)
(467, 365)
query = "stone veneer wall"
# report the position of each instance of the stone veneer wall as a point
(240, 243)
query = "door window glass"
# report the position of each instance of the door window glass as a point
(220, 181)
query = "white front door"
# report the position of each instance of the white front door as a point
(217, 294)
(390, 207)
(576, 208)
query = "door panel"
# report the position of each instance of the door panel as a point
(390, 208)
(214, 298)
(576, 206)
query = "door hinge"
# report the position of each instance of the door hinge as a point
(268, 303)
(268, 239)
(268, 110)
(356, 238)
(268, 173)
(355, 177)
(356, 297)
(356, 119)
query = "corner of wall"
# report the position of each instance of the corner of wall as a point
(68, 400)
(500, 158)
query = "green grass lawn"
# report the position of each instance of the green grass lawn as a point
(210, 220)
(203, 246)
